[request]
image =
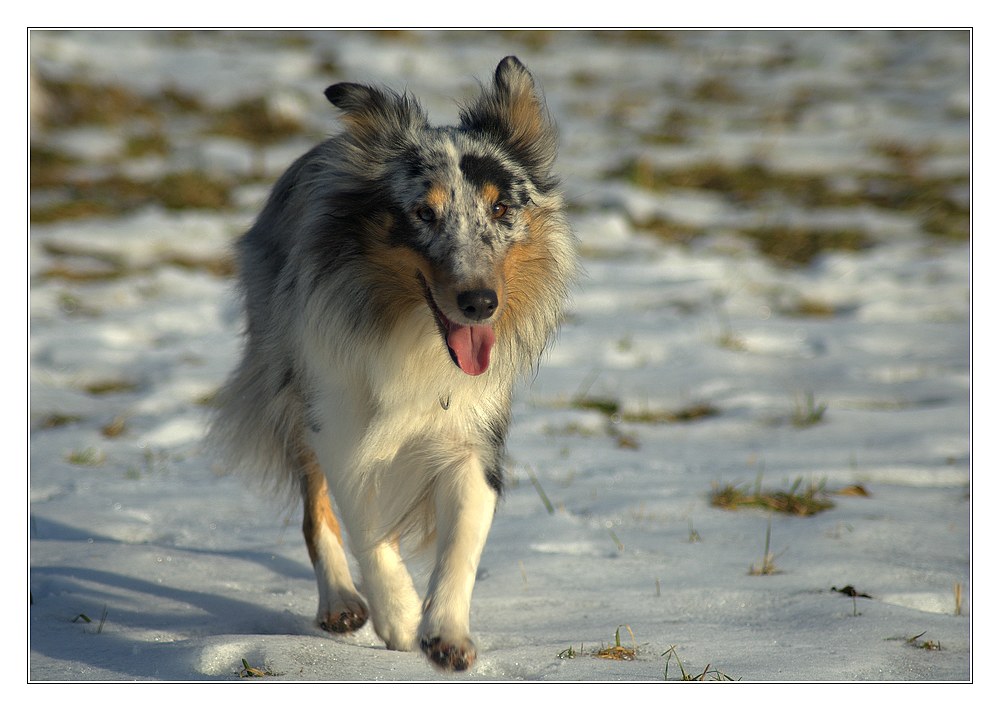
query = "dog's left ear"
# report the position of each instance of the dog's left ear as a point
(512, 111)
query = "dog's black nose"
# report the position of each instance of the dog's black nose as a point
(477, 304)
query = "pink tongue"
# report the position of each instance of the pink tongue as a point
(471, 346)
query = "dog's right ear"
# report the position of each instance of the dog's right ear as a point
(371, 112)
(352, 97)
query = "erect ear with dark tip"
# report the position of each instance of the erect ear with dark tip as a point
(512, 112)
(334, 92)
(509, 68)
(371, 112)
(350, 96)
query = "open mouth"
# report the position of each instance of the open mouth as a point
(468, 344)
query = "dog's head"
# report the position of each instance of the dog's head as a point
(466, 205)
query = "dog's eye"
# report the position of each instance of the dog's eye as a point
(426, 214)
(499, 209)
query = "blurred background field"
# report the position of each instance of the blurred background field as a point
(775, 228)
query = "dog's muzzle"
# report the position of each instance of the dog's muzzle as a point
(469, 344)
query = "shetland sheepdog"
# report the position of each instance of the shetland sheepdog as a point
(399, 280)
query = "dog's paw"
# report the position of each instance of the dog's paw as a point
(399, 635)
(395, 614)
(343, 617)
(449, 656)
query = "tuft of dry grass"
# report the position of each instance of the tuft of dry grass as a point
(931, 200)
(808, 411)
(767, 566)
(805, 307)
(115, 428)
(88, 457)
(717, 90)
(80, 197)
(689, 413)
(617, 416)
(853, 490)
(249, 672)
(928, 644)
(255, 121)
(707, 674)
(191, 189)
(82, 103)
(59, 419)
(797, 246)
(110, 387)
(82, 617)
(805, 502)
(618, 651)
(613, 408)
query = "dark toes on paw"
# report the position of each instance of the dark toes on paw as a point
(346, 621)
(450, 657)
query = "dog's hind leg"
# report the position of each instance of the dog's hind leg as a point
(464, 512)
(341, 608)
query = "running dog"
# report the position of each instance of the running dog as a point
(398, 281)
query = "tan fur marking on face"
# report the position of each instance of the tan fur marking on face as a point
(437, 197)
(395, 272)
(526, 269)
(393, 266)
(490, 193)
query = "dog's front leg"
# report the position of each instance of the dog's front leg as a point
(464, 509)
(341, 609)
(394, 602)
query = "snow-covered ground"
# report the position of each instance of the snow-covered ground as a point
(725, 365)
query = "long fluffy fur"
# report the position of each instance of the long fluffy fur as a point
(349, 278)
